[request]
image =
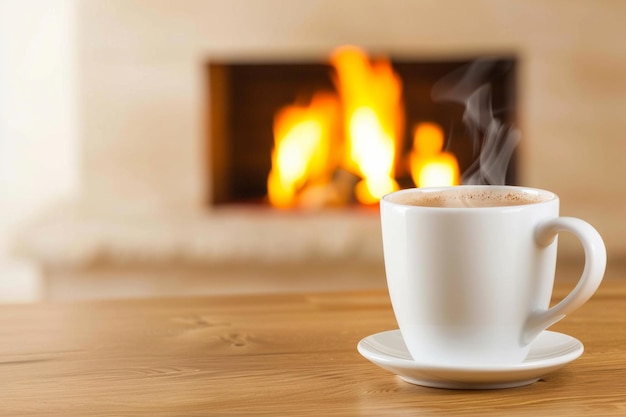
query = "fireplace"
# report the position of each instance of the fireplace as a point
(245, 96)
(145, 193)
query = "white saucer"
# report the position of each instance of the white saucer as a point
(548, 352)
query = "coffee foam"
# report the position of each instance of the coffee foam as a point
(468, 198)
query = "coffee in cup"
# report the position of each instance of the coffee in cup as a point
(470, 270)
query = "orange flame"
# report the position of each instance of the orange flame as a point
(323, 149)
(430, 167)
(373, 120)
(302, 152)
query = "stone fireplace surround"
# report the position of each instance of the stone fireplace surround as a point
(142, 206)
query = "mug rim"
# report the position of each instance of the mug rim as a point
(550, 197)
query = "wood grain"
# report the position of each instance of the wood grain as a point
(291, 355)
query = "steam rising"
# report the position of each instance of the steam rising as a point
(492, 141)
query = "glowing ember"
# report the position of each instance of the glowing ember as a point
(373, 119)
(430, 167)
(302, 154)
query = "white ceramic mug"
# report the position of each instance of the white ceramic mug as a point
(471, 282)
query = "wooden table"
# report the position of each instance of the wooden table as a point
(280, 355)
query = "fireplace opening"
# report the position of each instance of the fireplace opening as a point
(245, 97)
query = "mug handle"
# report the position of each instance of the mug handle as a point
(595, 265)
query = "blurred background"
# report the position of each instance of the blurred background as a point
(122, 152)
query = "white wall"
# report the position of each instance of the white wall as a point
(38, 130)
